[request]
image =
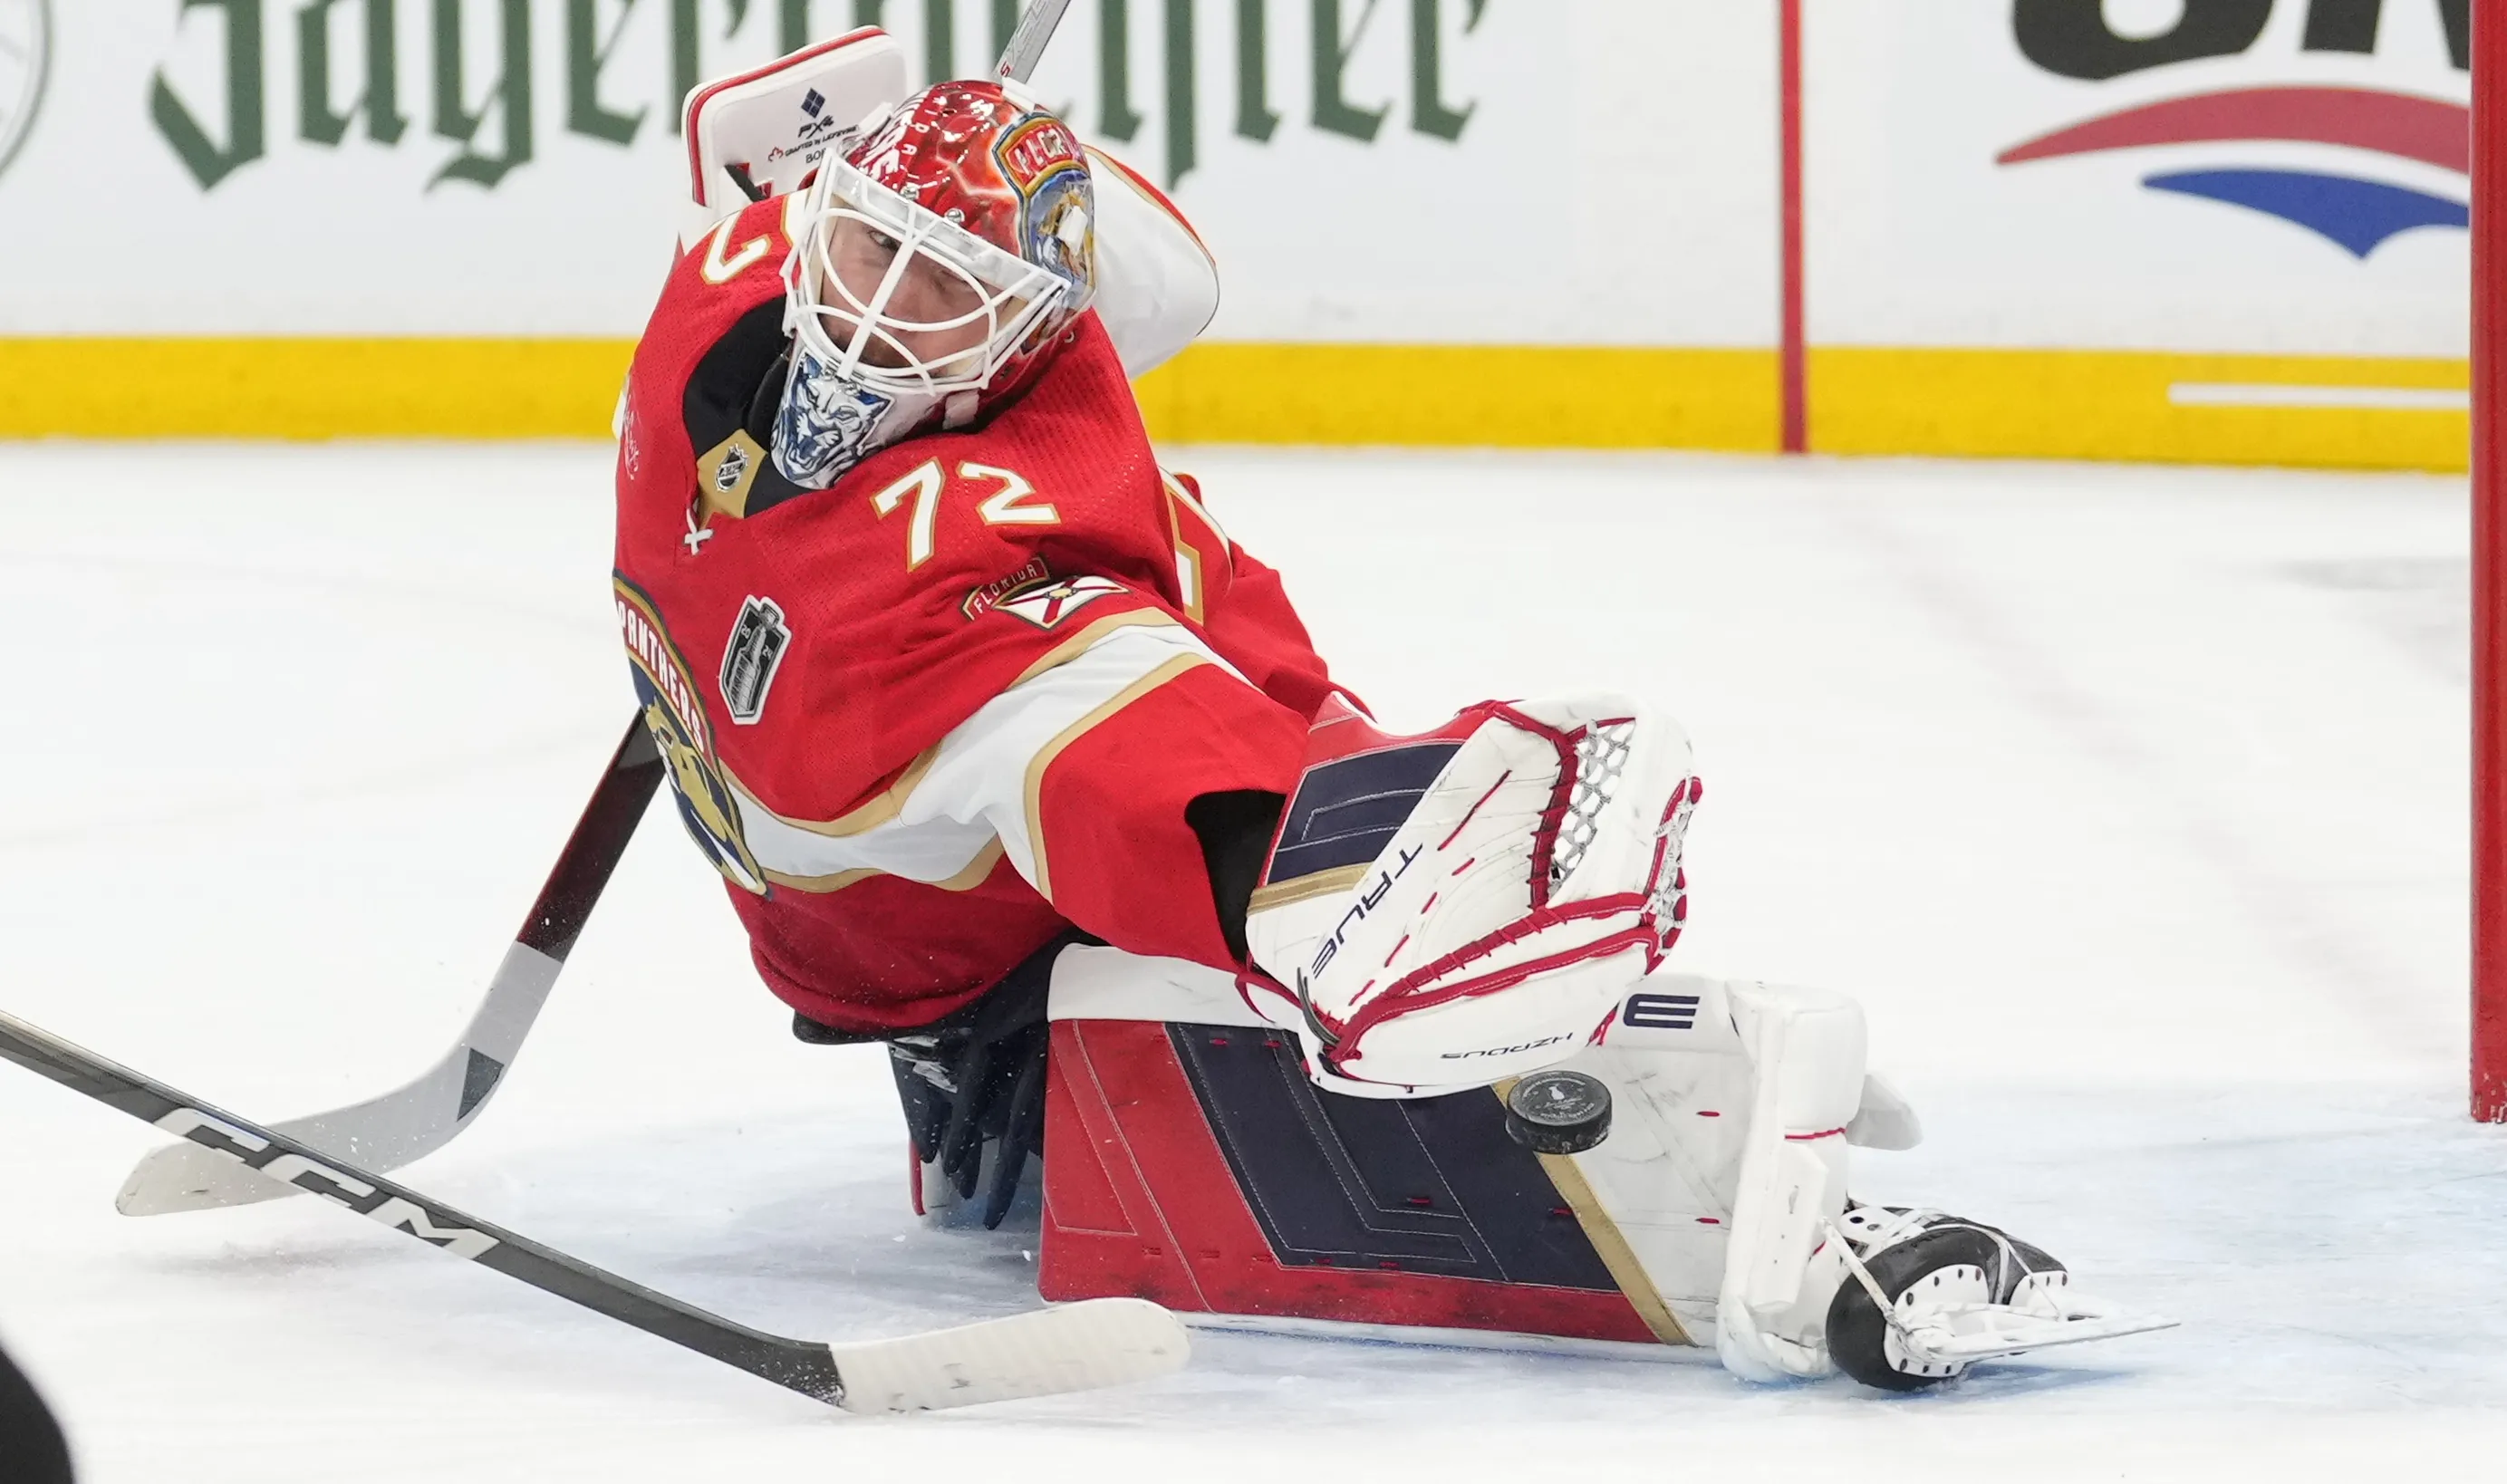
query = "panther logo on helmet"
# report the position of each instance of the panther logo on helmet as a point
(1040, 160)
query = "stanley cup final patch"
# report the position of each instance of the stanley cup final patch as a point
(749, 659)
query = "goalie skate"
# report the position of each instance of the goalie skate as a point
(1920, 1297)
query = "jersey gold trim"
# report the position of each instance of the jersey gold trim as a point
(1610, 1244)
(865, 816)
(976, 872)
(1086, 639)
(1282, 894)
(1192, 563)
(1040, 877)
(890, 802)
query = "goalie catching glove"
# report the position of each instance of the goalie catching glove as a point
(1445, 910)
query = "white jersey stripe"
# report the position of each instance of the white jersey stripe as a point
(972, 794)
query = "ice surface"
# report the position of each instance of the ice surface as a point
(2130, 801)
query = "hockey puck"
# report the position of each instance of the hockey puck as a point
(1558, 1112)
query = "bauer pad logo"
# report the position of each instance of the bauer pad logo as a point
(759, 640)
(675, 716)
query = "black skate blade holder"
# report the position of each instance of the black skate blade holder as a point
(1954, 1335)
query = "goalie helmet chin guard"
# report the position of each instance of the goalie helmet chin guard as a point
(964, 197)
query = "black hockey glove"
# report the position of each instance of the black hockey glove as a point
(975, 1080)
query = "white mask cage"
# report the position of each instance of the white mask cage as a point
(838, 326)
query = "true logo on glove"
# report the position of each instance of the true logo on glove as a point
(1363, 904)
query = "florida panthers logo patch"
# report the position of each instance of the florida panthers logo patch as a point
(980, 601)
(1048, 603)
(675, 716)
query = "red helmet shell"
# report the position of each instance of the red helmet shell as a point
(1009, 173)
(987, 190)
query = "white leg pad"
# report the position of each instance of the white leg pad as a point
(1736, 1104)
(1806, 1050)
(1727, 1147)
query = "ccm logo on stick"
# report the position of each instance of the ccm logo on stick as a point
(1661, 1012)
(330, 1185)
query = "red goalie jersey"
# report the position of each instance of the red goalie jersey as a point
(925, 719)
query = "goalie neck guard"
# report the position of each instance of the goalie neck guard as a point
(934, 269)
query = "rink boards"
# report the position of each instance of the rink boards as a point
(1967, 228)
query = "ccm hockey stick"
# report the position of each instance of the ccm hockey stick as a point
(407, 1123)
(1071, 1348)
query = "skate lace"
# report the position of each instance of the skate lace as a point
(1601, 757)
(1871, 1232)
(1898, 1226)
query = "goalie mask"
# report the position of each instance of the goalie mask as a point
(934, 269)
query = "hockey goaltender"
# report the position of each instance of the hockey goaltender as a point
(1014, 760)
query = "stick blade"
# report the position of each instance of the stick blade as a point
(189, 1177)
(1079, 1347)
(380, 1135)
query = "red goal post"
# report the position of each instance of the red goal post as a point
(2489, 561)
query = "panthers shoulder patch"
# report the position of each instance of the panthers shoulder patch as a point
(675, 714)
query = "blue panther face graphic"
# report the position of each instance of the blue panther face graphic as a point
(825, 424)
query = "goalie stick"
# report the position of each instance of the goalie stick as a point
(1074, 1347)
(1028, 39)
(403, 1125)
(408, 1123)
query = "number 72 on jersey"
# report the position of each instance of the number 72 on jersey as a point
(1011, 501)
